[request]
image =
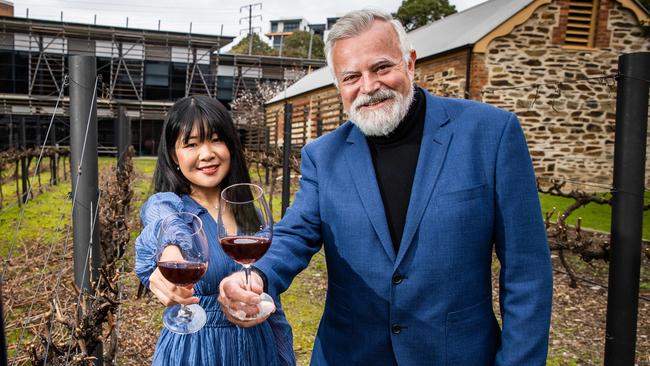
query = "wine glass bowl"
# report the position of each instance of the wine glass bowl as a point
(245, 250)
(245, 234)
(182, 259)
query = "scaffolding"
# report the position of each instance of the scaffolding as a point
(126, 60)
(142, 70)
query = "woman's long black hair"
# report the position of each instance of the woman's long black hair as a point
(209, 116)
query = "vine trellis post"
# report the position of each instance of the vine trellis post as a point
(627, 207)
(123, 135)
(24, 164)
(286, 166)
(84, 172)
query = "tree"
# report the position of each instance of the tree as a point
(416, 13)
(297, 45)
(248, 107)
(259, 47)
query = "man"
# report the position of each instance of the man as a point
(409, 198)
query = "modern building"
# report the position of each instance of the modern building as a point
(282, 28)
(139, 69)
(552, 62)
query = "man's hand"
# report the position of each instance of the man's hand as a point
(167, 292)
(233, 295)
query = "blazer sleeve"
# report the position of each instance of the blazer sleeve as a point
(297, 237)
(525, 279)
(154, 210)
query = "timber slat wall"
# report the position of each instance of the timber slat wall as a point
(324, 105)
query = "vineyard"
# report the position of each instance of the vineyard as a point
(40, 298)
(18, 166)
(52, 318)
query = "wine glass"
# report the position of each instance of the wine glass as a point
(182, 257)
(245, 234)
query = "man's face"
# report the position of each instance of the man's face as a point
(375, 82)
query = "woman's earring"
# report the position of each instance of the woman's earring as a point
(178, 168)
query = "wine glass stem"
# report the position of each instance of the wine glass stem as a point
(247, 271)
(185, 312)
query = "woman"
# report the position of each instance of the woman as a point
(199, 154)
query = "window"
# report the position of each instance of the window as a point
(290, 26)
(156, 80)
(331, 22)
(156, 73)
(104, 69)
(277, 41)
(6, 71)
(179, 72)
(581, 23)
(274, 27)
(224, 88)
(21, 72)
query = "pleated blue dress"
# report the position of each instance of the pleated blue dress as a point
(219, 342)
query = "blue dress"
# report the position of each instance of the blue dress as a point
(219, 342)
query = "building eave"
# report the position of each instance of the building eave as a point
(507, 26)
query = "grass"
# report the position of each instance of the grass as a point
(303, 304)
(144, 168)
(9, 196)
(45, 217)
(560, 361)
(594, 216)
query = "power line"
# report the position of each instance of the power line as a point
(92, 5)
(250, 22)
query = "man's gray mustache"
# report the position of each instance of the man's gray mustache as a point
(379, 96)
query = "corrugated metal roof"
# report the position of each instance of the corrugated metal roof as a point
(314, 80)
(464, 28)
(457, 30)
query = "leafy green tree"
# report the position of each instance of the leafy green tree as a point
(259, 47)
(416, 13)
(297, 45)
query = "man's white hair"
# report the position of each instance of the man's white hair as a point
(356, 22)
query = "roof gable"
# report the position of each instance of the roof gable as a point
(457, 30)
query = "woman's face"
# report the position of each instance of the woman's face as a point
(204, 163)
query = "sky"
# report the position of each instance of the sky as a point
(206, 17)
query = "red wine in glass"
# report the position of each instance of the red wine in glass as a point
(182, 273)
(248, 240)
(245, 249)
(182, 259)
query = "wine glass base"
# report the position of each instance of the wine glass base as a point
(176, 322)
(266, 307)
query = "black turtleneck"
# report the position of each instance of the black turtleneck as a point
(395, 158)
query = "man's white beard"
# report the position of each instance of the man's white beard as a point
(382, 121)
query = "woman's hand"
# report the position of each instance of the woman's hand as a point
(167, 292)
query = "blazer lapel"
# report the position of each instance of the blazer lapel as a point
(357, 155)
(433, 151)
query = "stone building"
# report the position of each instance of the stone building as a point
(552, 62)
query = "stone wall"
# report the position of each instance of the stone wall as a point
(569, 124)
(443, 75)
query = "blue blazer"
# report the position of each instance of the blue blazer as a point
(431, 302)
